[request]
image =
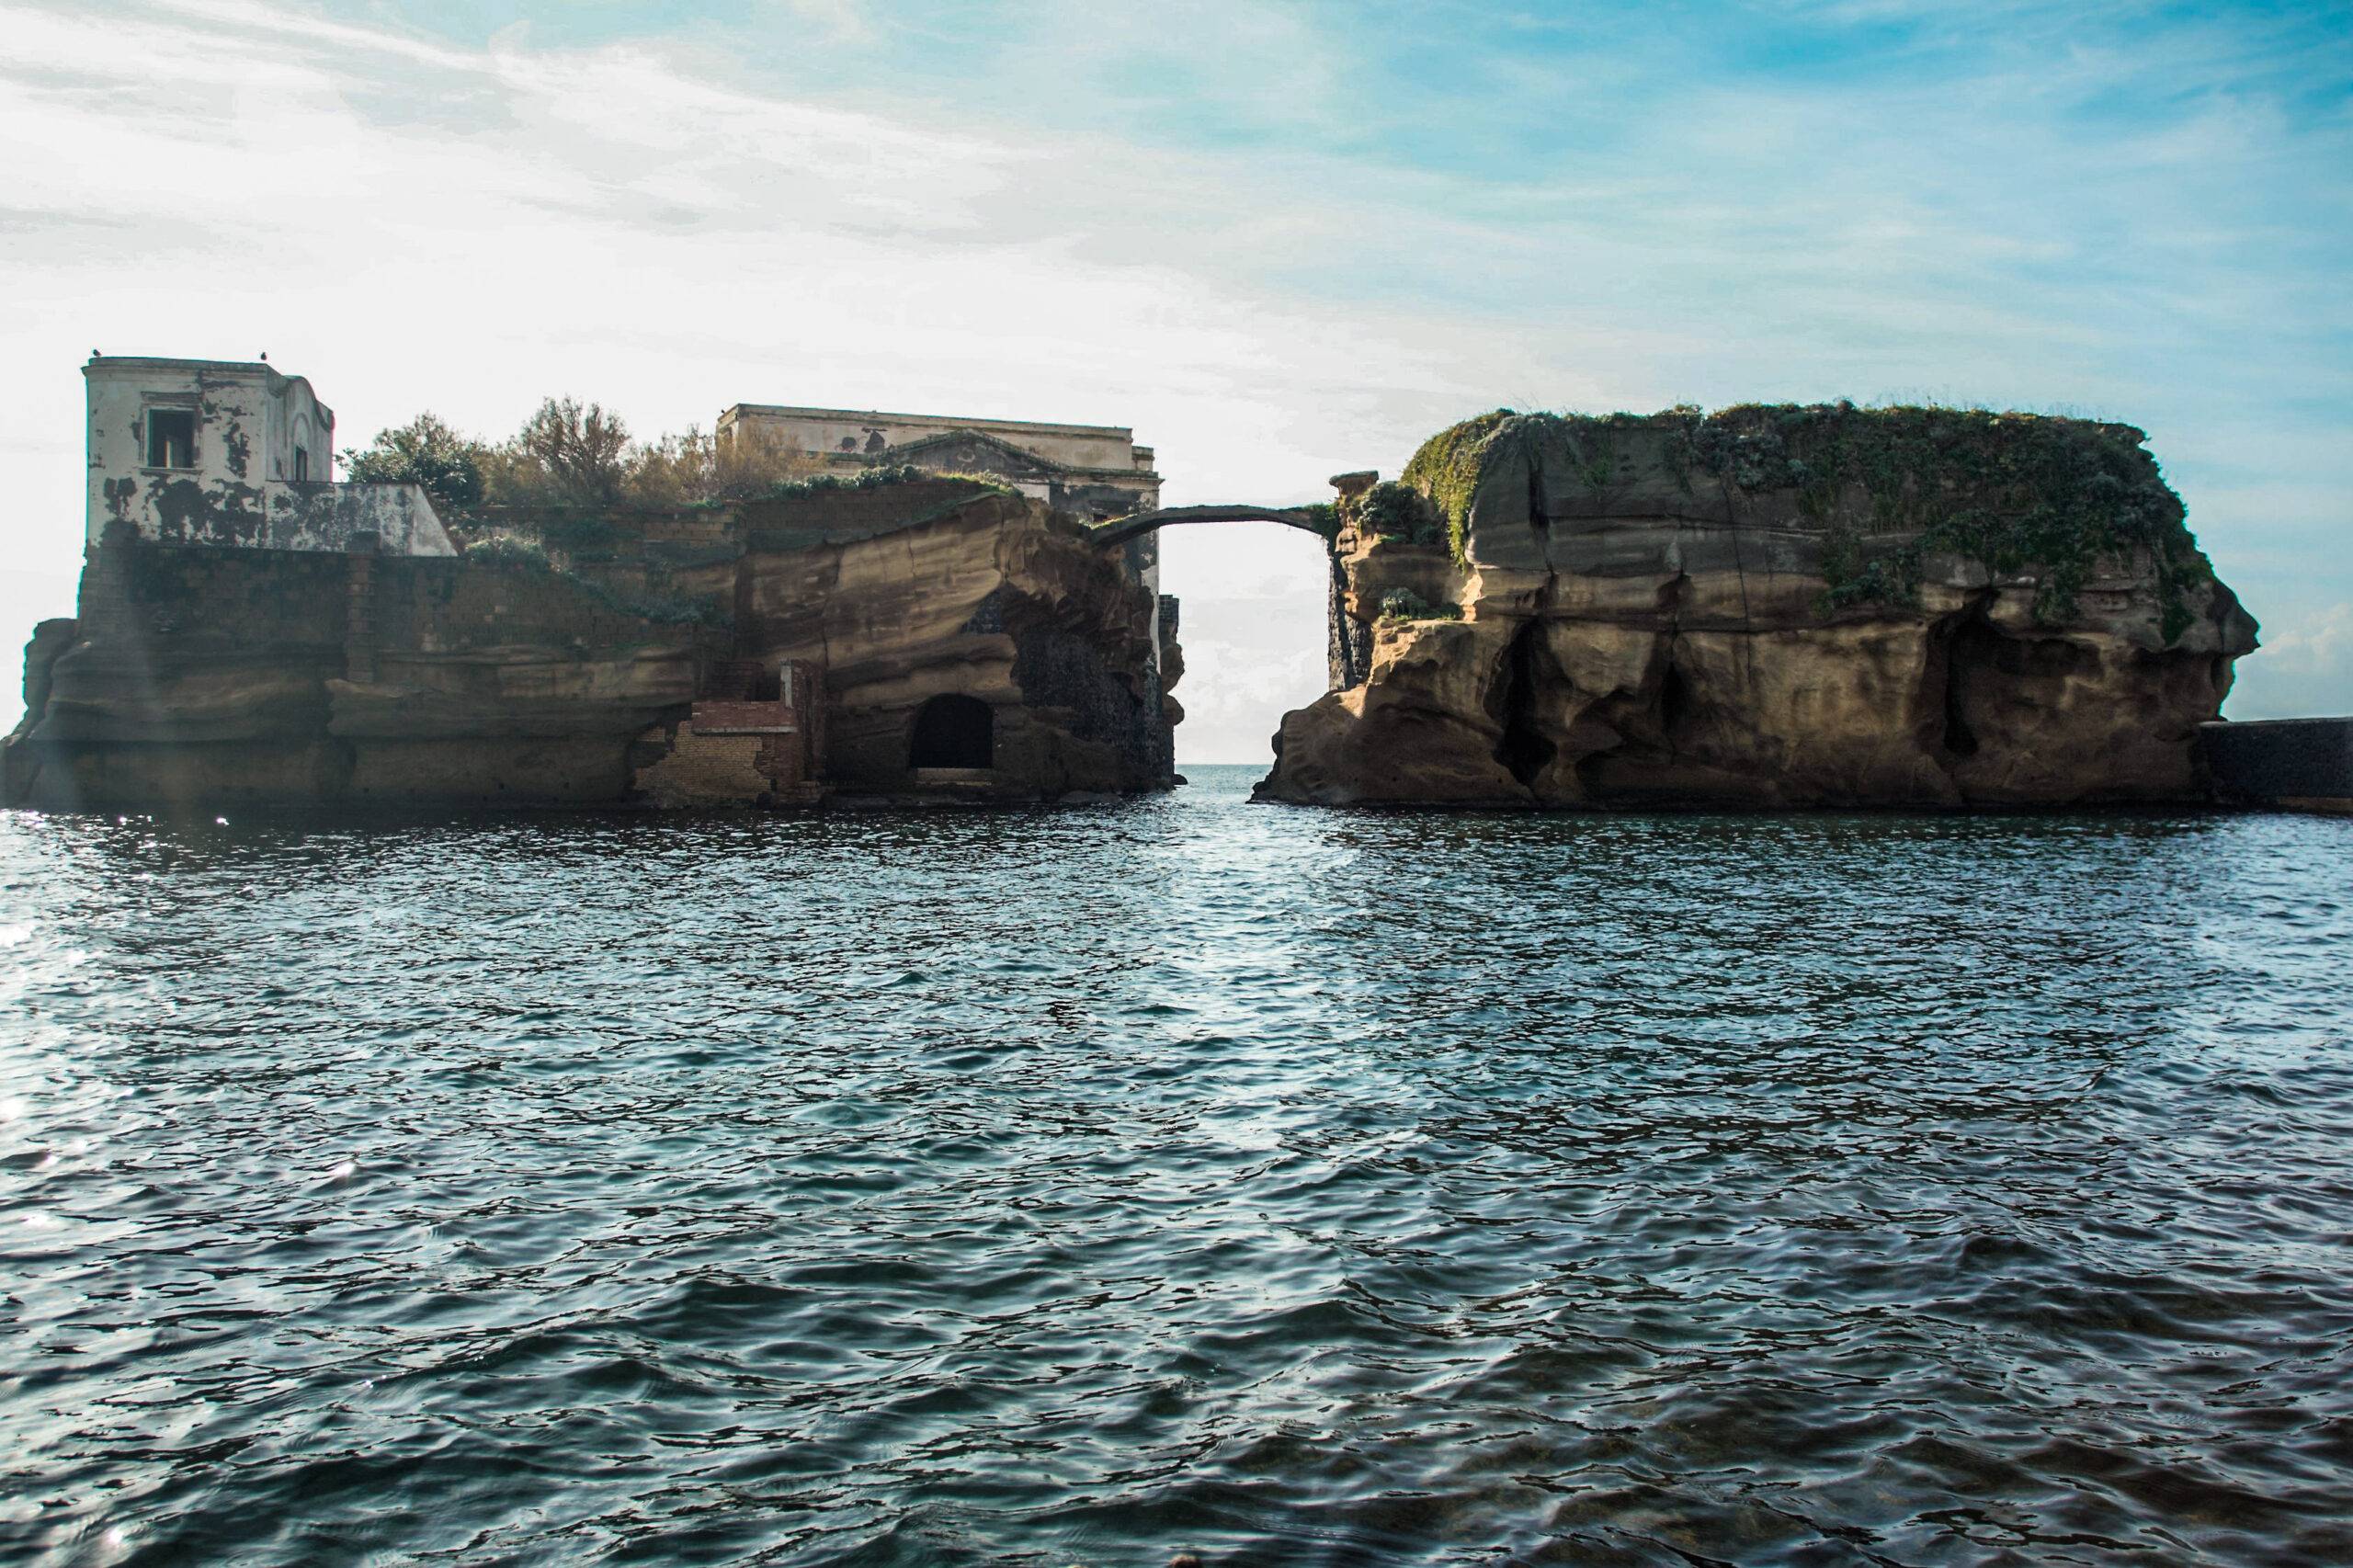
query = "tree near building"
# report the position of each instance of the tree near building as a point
(566, 453)
(424, 451)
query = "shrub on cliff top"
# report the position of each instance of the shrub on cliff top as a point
(697, 470)
(1447, 469)
(575, 456)
(424, 451)
(1390, 510)
(567, 453)
(1403, 604)
(2020, 493)
(878, 478)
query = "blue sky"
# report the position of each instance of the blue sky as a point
(1280, 239)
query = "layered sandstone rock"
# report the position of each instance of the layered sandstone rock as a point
(566, 669)
(1769, 607)
(989, 596)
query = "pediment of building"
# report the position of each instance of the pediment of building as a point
(974, 451)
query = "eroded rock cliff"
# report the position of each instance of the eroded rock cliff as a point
(1768, 606)
(563, 661)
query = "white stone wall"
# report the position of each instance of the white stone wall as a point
(253, 428)
(826, 431)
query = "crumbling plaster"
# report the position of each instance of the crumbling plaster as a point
(261, 467)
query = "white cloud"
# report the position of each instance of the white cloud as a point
(414, 224)
(2305, 666)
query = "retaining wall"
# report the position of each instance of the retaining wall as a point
(2300, 764)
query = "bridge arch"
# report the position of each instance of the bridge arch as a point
(1118, 531)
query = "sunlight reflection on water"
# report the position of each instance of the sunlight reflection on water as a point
(1286, 1186)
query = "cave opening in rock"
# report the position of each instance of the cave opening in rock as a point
(1524, 752)
(1971, 649)
(953, 730)
(1673, 702)
(1959, 739)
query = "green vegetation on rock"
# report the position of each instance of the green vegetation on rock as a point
(523, 552)
(1447, 469)
(1890, 486)
(1391, 510)
(864, 478)
(1403, 604)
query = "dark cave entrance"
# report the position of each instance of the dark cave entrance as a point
(1674, 704)
(1525, 750)
(953, 730)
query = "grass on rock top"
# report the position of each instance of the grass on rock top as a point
(2018, 492)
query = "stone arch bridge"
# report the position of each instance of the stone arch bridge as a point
(1348, 646)
(1118, 531)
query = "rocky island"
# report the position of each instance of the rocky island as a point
(249, 633)
(1766, 606)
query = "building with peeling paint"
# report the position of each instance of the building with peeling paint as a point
(1096, 472)
(224, 452)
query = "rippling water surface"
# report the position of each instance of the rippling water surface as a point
(1084, 1187)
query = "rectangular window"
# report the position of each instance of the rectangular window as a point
(171, 437)
(301, 465)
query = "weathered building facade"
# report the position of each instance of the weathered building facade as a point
(222, 452)
(1093, 471)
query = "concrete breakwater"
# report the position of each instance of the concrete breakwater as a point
(2294, 764)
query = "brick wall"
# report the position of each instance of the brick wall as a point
(699, 769)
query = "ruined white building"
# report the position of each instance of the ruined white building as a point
(208, 452)
(1096, 472)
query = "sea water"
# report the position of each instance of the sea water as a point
(1283, 1186)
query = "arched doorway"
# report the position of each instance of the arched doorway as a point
(953, 730)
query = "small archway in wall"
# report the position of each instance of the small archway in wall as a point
(953, 730)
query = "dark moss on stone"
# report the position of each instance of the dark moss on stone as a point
(2017, 493)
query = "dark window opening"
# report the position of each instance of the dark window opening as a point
(953, 730)
(301, 465)
(171, 437)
